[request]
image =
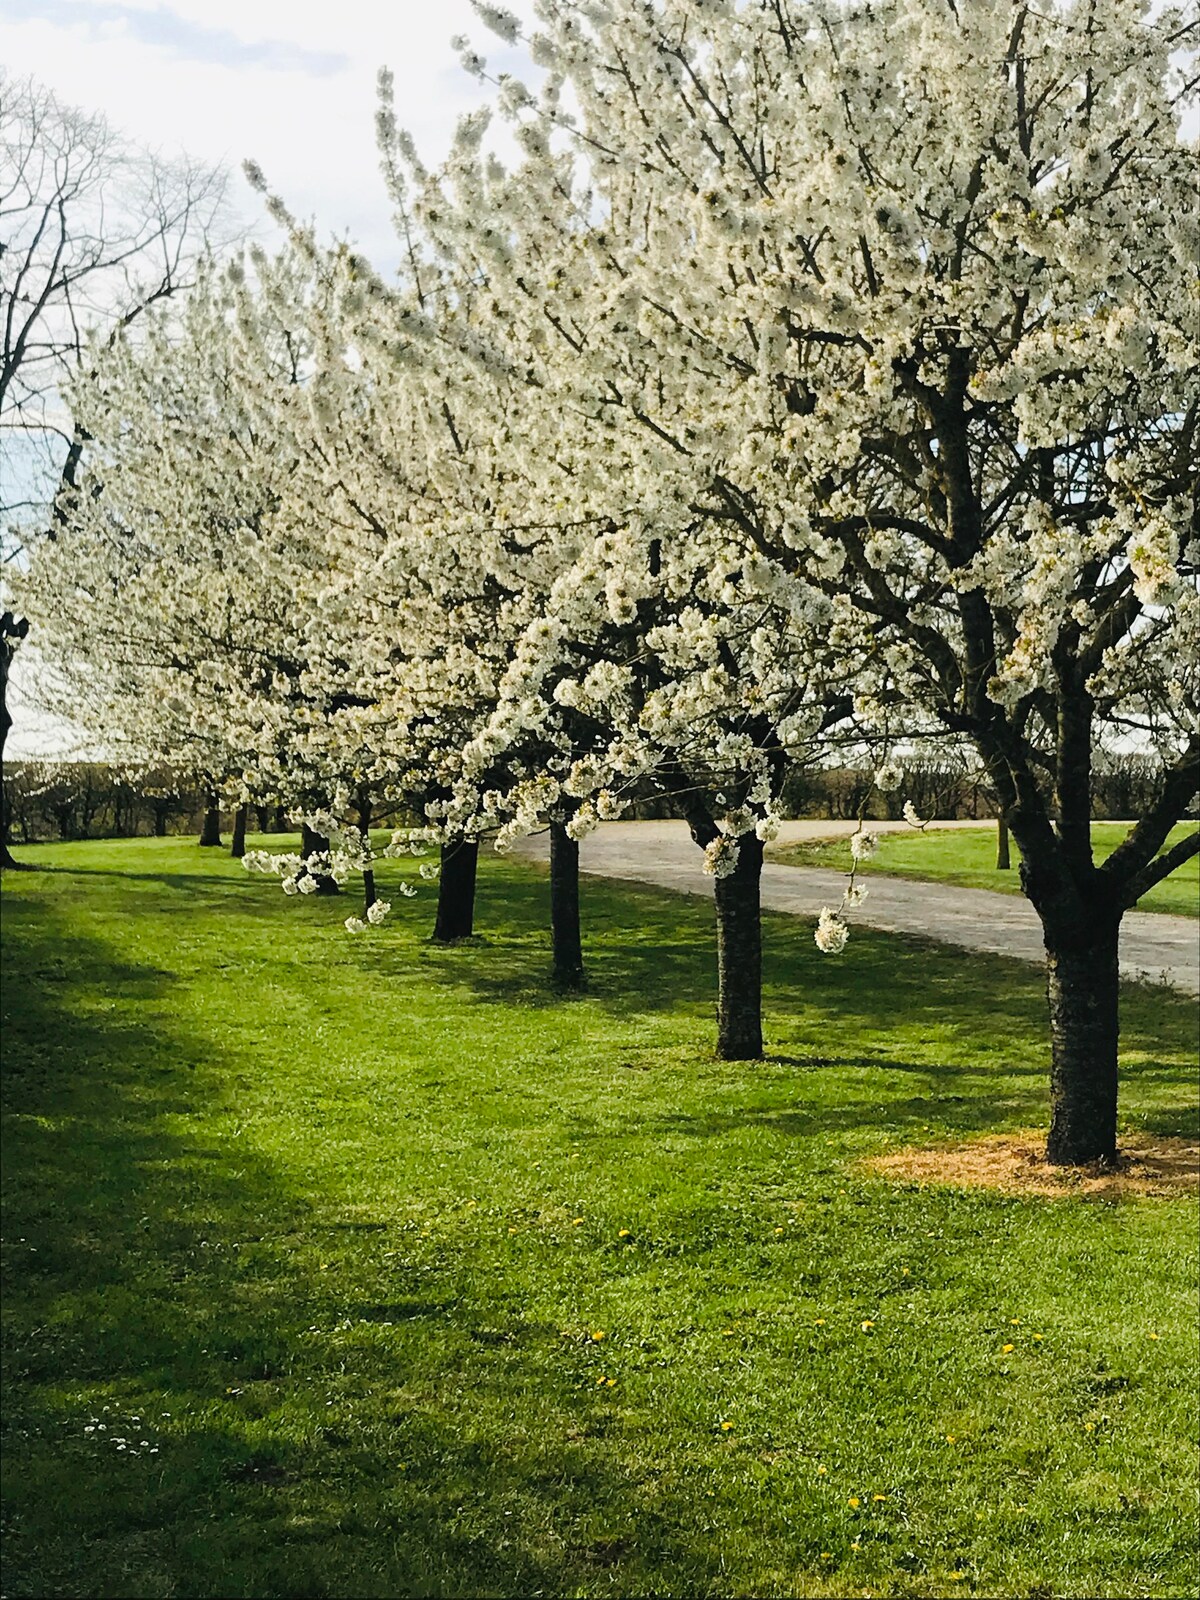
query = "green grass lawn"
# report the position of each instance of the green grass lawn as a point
(348, 1266)
(967, 856)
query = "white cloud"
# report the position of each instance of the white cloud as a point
(291, 85)
(171, 30)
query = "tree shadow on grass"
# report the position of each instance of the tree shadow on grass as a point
(209, 884)
(192, 1406)
(394, 1424)
(1180, 1120)
(973, 1021)
(870, 1117)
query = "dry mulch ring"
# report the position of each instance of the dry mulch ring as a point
(1015, 1163)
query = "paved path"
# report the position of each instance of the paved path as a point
(662, 853)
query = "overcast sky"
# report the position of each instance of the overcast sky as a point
(288, 83)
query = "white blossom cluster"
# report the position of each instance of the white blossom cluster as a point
(809, 373)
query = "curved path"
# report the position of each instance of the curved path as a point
(1158, 947)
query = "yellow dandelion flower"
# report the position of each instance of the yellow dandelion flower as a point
(878, 1497)
(867, 1325)
(1154, 1336)
(855, 1501)
(1006, 1348)
(778, 1230)
(820, 1322)
(576, 1222)
(725, 1427)
(598, 1335)
(623, 1233)
(951, 1437)
(1037, 1338)
(821, 1471)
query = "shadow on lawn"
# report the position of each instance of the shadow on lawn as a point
(659, 959)
(170, 1277)
(210, 882)
(157, 1265)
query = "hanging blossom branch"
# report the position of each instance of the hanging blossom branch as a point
(833, 931)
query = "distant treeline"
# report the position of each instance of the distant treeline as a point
(941, 791)
(1123, 786)
(92, 800)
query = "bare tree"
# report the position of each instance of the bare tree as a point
(93, 230)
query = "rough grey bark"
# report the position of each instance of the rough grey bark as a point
(739, 956)
(456, 890)
(739, 931)
(566, 939)
(12, 632)
(1082, 987)
(364, 827)
(311, 844)
(1003, 851)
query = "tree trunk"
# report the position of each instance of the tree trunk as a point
(238, 846)
(6, 856)
(263, 813)
(7, 859)
(11, 634)
(210, 834)
(456, 890)
(281, 821)
(564, 909)
(160, 820)
(1003, 853)
(1082, 982)
(739, 956)
(312, 844)
(364, 827)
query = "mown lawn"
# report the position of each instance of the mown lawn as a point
(967, 856)
(346, 1266)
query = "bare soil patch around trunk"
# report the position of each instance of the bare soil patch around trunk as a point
(1015, 1163)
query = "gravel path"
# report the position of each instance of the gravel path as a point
(1161, 948)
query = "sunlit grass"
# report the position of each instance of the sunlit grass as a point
(420, 1281)
(967, 856)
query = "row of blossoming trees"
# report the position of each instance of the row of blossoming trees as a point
(813, 370)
